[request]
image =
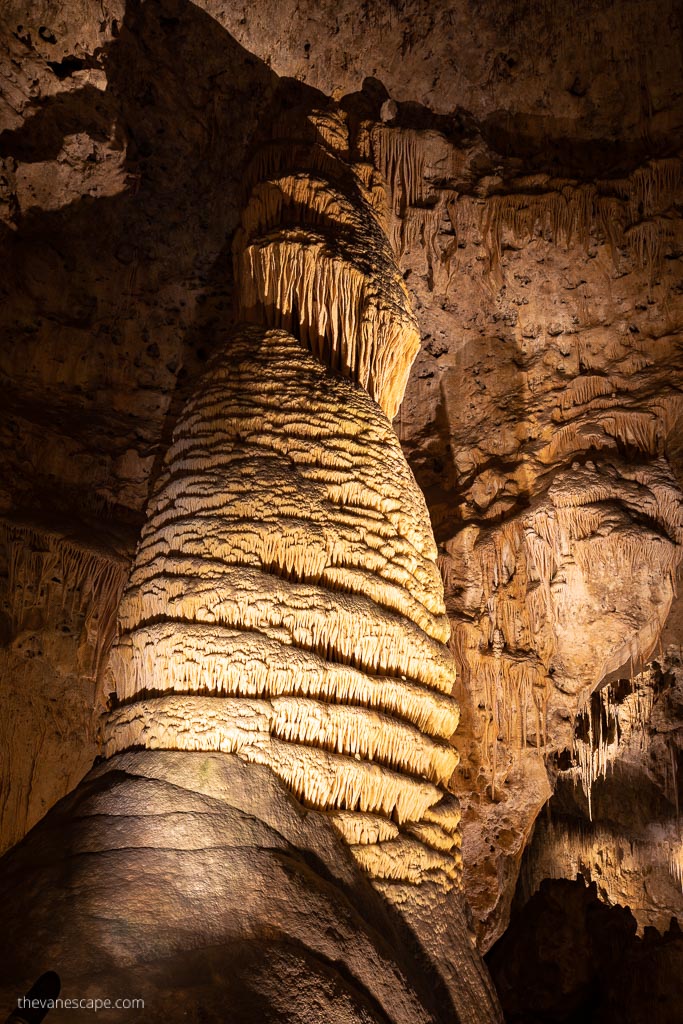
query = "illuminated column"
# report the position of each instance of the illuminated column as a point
(270, 835)
(285, 603)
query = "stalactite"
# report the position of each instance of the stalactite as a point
(584, 388)
(297, 281)
(321, 778)
(565, 215)
(604, 726)
(623, 552)
(643, 488)
(621, 865)
(590, 522)
(399, 155)
(466, 215)
(611, 218)
(676, 864)
(649, 189)
(648, 240)
(361, 829)
(514, 693)
(46, 568)
(495, 653)
(312, 258)
(627, 212)
(671, 790)
(414, 213)
(343, 729)
(276, 157)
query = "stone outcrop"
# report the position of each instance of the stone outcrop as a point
(197, 884)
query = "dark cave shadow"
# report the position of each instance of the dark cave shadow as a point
(184, 99)
(188, 104)
(567, 957)
(561, 154)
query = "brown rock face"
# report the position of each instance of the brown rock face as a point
(60, 599)
(284, 606)
(198, 885)
(512, 172)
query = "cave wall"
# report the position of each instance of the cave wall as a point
(526, 158)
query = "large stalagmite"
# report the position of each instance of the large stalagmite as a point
(488, 185)
(285, 605)
(277, 752)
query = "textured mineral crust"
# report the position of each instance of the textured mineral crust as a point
(476, 204)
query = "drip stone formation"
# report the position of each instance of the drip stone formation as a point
(277, 747)
(311, 252)
(285, 605)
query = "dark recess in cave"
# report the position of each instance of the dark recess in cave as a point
(566, 958)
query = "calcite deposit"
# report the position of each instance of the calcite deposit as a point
(344, 341)
(286, 586)
(284, 609)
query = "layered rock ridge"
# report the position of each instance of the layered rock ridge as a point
(285, 602)
(285, 605)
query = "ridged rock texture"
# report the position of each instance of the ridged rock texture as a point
(543, 422)
(311, 252)
(285, 605)
(196, 883)
(284, 609)
(523, 160)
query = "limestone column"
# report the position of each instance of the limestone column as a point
(271, 829)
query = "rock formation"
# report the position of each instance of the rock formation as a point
(476, 204)
(285, 605)
(285, 609)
